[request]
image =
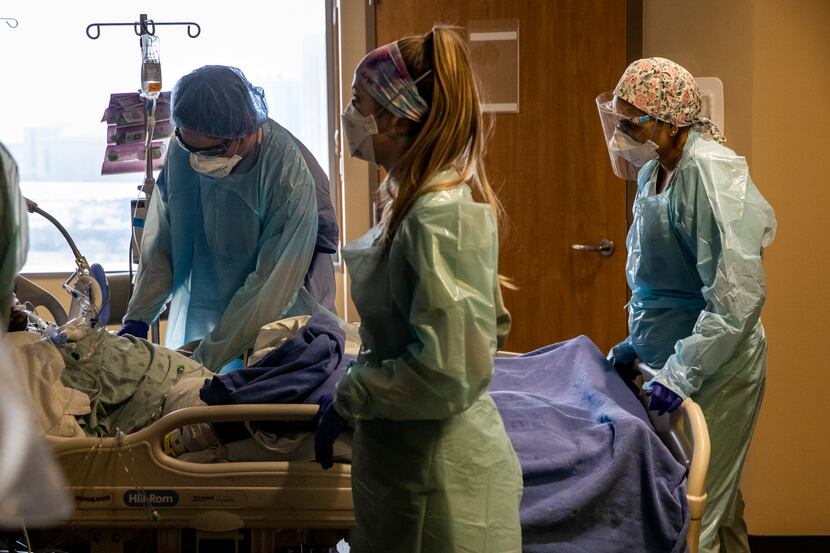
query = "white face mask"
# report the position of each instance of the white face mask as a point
(217, 167)
(635, 152)
(358, 130)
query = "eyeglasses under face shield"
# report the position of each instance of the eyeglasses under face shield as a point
(210, 151)
(620, 128)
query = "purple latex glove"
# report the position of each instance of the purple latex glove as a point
(138, 329)
(663, 400)
(329, 425)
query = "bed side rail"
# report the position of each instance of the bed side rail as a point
(210, 497)
(151, 438)
(232, 413)
(686, 435)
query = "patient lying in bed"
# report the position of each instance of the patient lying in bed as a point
(87, 381)
(596, 476)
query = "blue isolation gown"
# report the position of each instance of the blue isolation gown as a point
(694, 268)
(234, 253)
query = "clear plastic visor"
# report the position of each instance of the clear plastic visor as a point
(624, 131)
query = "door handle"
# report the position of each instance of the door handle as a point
(606, 247)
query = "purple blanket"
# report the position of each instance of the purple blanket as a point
(597, 478)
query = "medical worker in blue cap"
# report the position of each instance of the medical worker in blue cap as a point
(240, 228)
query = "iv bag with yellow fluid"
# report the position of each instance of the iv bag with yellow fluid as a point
(150, 66)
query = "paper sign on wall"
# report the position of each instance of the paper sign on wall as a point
(494, 49)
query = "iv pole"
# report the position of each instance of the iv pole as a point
(145, 28)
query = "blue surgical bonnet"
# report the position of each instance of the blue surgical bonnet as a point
(218, 101)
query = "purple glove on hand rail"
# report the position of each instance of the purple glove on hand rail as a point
(663, 400)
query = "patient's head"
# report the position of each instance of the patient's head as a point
(18, 321)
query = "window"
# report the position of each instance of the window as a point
(58, 84)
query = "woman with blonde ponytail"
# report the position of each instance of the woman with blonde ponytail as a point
(432, 468)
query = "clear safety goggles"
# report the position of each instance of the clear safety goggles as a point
(211, 151)
(640, 128)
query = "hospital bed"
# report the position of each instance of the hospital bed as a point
(128, 482)
(686, 436)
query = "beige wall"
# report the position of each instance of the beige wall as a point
(710, 38)
(788, 480)
(773, 57)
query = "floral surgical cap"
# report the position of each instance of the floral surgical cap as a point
(384, 73)
(666, 91)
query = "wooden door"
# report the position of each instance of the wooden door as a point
(549, 162)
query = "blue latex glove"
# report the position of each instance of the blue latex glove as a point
(622, 354)
(138, 329)
(231, 366)
(329, 425)
(97, 272)
(663, 400)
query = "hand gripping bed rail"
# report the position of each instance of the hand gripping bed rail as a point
(103, 472)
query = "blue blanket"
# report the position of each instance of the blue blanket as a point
(597, 478)
(289, 374)
(299, 371)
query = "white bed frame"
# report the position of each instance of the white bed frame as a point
(129, 482)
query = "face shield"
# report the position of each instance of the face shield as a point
(628, 137)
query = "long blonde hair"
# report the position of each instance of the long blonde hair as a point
(454, 132)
